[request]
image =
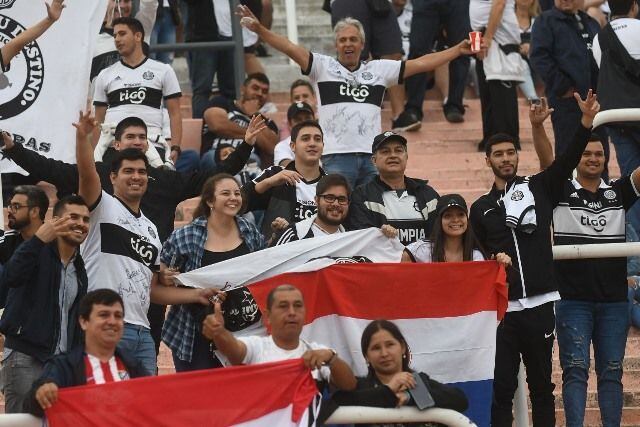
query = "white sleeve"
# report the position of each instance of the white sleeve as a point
(147, 16)
(100, 90)
(420, 250)
(170, 84)
(389, 70)
(282, 151)
(254, 345)
(595, 50)
(318, 63)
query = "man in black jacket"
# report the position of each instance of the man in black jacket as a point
(288, 194)
(101, 317)
(47, 279)
(166, 188)
(528, 327)
(561, 40)
(407, 204)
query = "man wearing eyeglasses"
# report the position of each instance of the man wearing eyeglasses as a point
(26, 212)
(332, 200)
(288, 195)
(391, 198)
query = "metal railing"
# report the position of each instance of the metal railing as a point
(235, 44)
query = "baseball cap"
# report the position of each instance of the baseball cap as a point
(298, 107)
(450, 200)
(386, 137)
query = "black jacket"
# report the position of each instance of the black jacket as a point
(371, 392)
(279, 201)
(67, 370)
(560, 56)
(9, 242)
(31, 319)
(532, 271)
(165, 190)
(367, 209)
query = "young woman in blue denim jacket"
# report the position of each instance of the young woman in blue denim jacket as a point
(216, 234)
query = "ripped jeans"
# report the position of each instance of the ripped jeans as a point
(579, 323)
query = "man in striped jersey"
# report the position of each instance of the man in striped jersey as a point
(98, 361)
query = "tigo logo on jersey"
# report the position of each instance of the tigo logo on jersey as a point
(135, 96)
(598, 223)
(359, 94)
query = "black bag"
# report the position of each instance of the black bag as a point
(379, 8)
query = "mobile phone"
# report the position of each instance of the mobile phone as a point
(420, 394)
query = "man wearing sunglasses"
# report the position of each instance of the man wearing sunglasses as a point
(332, 200)
(288, 194)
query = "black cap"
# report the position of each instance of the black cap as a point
(298, 107)
(386, 137)
(450, 200)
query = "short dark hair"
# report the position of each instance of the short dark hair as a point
(620, 7)
(306, 124)
(271, 296)
(133, 24)
(36, 198)
(99, 296)
(499, 138)
(298, 83)
(332, 180)
(261, 77)
(128, 154)
(392, 328)
(126, 123)
(72, 199)
(221, 146)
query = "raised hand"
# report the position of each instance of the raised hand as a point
(53, 228)
(538, 113)
(285, 176)
(55, 9)
(256, 125)
(247, 18)
(85, 125)
(589, 107)
(401, 381)
(213, 324)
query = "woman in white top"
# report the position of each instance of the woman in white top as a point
(452, 239)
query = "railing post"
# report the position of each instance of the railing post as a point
(238, 52)
(520, 408)
(292, 23)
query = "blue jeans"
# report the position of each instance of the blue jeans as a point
(203, 66)
(164, 32)
(136, 340)
(429, 17)
(188, 161)
(579, 323)
(627, 144)
(19, 372)
(356, 167)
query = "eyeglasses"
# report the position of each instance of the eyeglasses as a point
(330, 198)
(14, 207)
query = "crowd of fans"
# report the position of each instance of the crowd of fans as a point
(85, 293)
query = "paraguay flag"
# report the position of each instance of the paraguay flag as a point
(448, 312)
(238, 396)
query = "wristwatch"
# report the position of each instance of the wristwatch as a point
(332, 358)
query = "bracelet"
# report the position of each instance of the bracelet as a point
(176, 148)
(332, 358)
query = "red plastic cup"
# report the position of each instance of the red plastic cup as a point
(475, 39)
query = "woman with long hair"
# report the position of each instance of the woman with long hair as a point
(216, 234)
(452, 239)
(390, 377)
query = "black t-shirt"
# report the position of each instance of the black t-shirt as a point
(583, 217)
(240, 308)
(210, 139)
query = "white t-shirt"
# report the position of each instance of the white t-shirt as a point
(421, 251)
(283, 151)
(223, 19)
(264, 349)
(508, 31)
(404, 22)
(121, 253)
(349, 101)
(628, 32)
(139, 91)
